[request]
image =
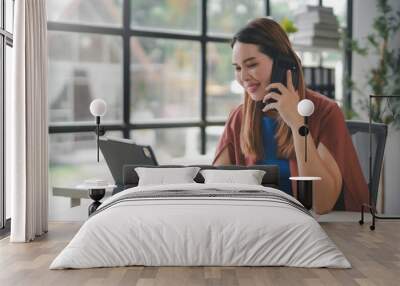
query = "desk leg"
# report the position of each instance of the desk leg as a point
(304, 193)
(96, 195)
(93, 207)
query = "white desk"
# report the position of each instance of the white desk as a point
(76, 194)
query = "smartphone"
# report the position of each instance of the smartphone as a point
(279, 70)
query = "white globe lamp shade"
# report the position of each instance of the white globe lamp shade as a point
(98, 107)
(305, 107)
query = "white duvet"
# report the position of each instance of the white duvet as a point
(200, 231)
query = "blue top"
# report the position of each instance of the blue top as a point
(269, 143)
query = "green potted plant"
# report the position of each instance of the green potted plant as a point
(288, 26)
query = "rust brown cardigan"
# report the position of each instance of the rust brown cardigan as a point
(327, 125)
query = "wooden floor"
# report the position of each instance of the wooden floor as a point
(374, 255)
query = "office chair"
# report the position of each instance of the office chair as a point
(371, 166)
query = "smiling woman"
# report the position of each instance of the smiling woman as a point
(256, 71)
(264, 129)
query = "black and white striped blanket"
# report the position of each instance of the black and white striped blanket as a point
(207, 194)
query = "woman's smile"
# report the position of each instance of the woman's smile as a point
(252, 87)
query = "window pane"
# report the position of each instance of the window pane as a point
(223, 92)
(97, 12)
(330, 58)
(227, 16)
(213, 134)
(165, 79)
(9, 64)
(83, 67)
(9, 15)
(309, 58)
(284, 8)
(73, 159)
(170, 144)
(181, 15)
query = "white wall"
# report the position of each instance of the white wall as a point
(364, 12)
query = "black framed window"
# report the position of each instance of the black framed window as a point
(163, 67)
(6, 44)
(156, 63)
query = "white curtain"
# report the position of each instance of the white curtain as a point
(26, 127)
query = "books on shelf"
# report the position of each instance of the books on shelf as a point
(317, 42)
(316, 17)
(321, 9)
(317, 26)
(332, 34)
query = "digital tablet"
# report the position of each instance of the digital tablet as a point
(119, 152)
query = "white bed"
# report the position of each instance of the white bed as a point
(183, 231)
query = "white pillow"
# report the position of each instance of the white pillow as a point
(249, 177)
(163, 176)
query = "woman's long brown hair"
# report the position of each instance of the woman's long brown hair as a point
(271, 40)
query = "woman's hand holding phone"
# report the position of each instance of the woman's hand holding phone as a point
(285, 102)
